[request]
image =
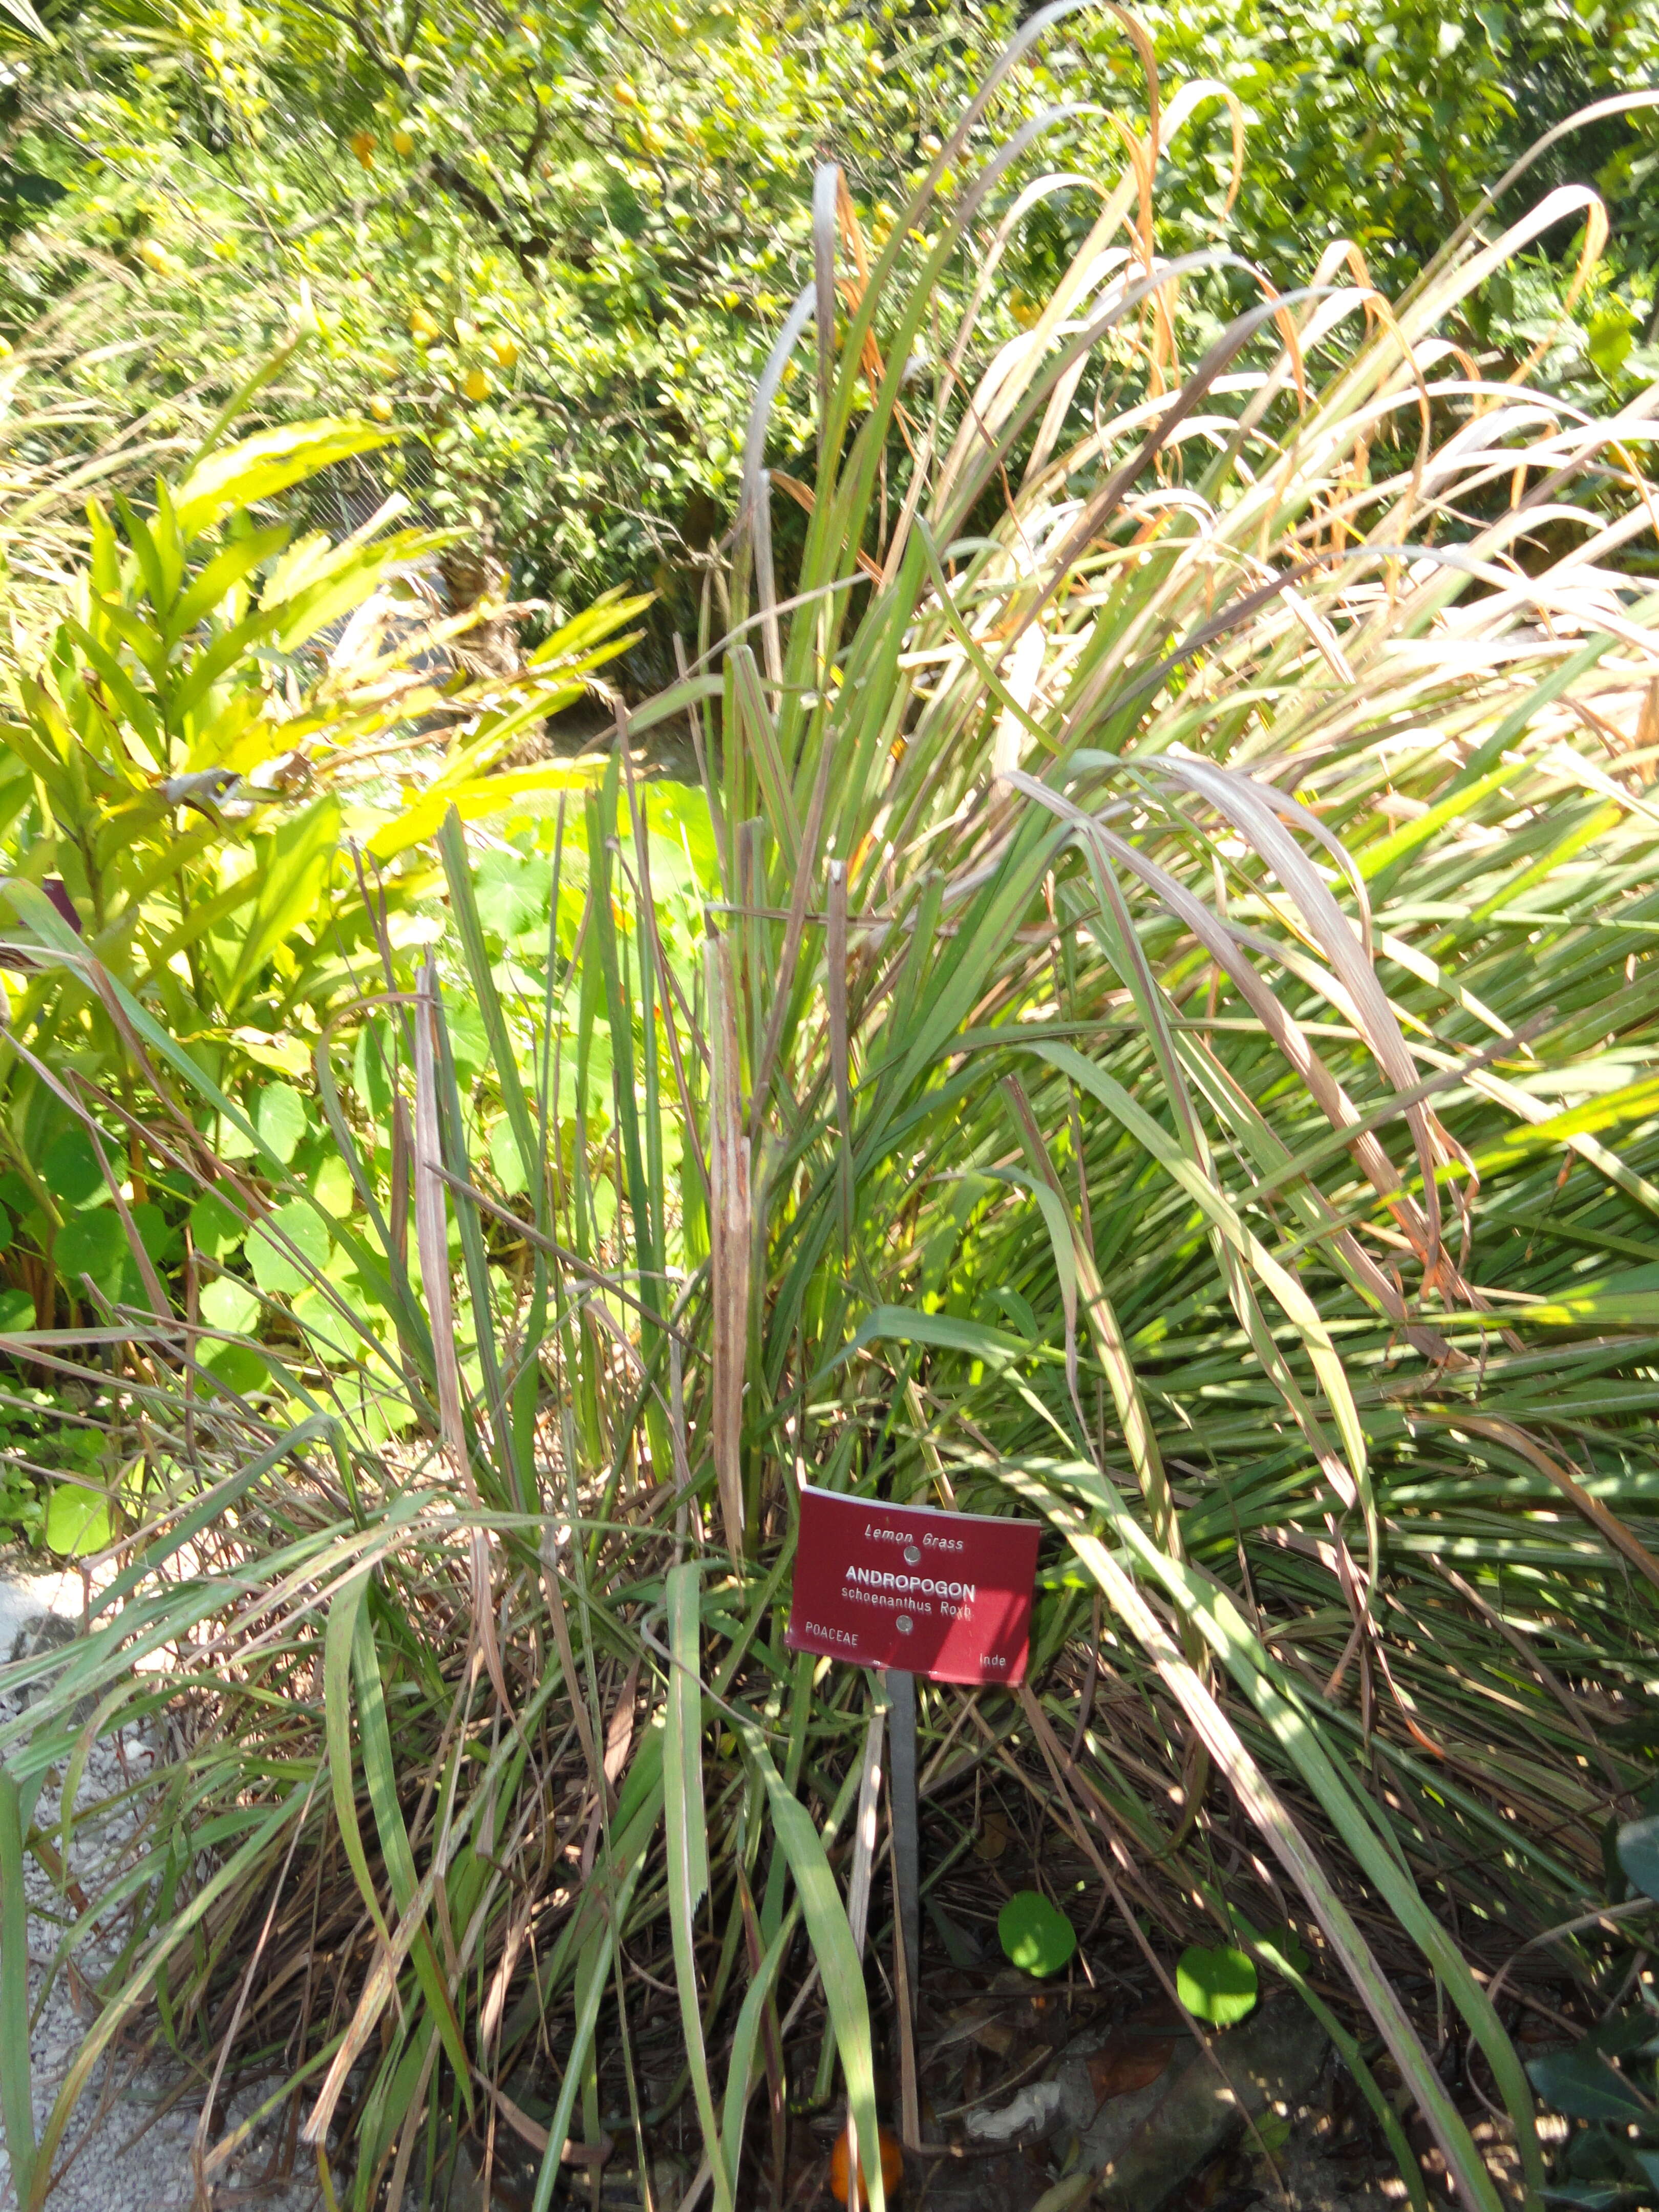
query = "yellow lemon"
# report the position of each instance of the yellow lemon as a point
(155, 257)
(403, 142)
(505, 348)
(624, 94)
(380, 408)
(422, 328)
(363, 145)
(477, 386)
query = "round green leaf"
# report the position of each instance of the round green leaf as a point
(275, 1267)
(16, 1309)
(1217, 1985)
(77, 1520)
(215, 1229)
(1036, 1934)
(469, 1040)
(91, 1244)
(282, 1117)
(331, 1187)
(155, 1233)
(230, 1305)
(69, 1170)
(237, 1366)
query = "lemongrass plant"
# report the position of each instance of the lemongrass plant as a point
(1174, 1054)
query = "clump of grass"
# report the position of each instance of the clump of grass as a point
(1174, 1055)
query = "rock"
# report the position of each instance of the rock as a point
(1273, 2058)
(1105, 2100)
(45, 1633)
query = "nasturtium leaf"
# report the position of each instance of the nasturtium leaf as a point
(17, 1310)
(215, 1227)
(237, 1366)
(1036, 1934)
(157, 1236)
(1639, 1854)
(6, 1231)
(1581, 2084)
(469, 1040)
(77, 1520)
(275, 1269)
(331, 1186)
(513, 893)
(282, 1117)
(92, 1243)
(69, 1168)
(228, 1304)
(1216, 1982)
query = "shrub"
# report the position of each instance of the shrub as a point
(197, 768)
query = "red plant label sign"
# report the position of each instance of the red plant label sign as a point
(944, 1595)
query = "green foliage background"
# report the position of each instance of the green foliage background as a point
(554, 243)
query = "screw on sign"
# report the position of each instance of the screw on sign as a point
(911, 1590)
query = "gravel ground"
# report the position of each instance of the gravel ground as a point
(128, 2145)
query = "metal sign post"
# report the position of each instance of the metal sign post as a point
(911, 1590)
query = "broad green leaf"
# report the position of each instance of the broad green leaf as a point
(275, 1267)
(216, 1228)
(332, 1188)
(294, 864)
(1035, 1934)
(77, 1520)
(259, 467)
(69, 1168)
(228, 1304)
(1216, 1982)
(477, 801)
(1583, 2085)
(92, 1243)
(282, 1117)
